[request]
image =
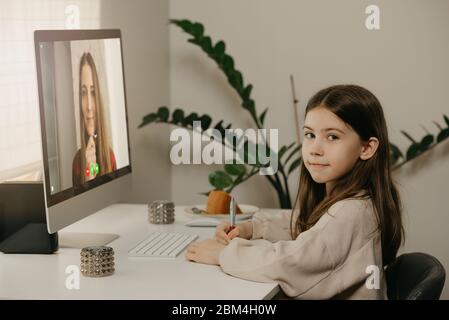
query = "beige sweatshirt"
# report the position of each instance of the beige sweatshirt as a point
(339, 257)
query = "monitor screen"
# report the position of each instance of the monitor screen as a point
(84, 128)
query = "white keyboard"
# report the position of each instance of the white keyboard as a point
(162, 245)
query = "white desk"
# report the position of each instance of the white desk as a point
(44, 276)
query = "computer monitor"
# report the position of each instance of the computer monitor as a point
(84, 126)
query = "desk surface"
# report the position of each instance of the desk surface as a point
(44, 276)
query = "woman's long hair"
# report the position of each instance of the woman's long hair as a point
(101, 143)
(360, 109)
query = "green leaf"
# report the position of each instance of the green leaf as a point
(213, 56)
(197, 30)
(281, 151)
(235, 169)
(239, 78)
(262, 116)
(178, 116)
(163, 114)
(188, 121)
(228, 64)
(205, 122)
(446, 119)
(294, 165)
(219, 124)
(395, 153)
(149, 118)
(393, 160)
(426, 142)
(236, 80)
(247, 92)
(220, 179)
(265, 150)
(225, 62)
(185, 25)
(444, 134)
(250, 106)
(408, 136)
(284, 149)
(233, 81)
(220, 48)
(413, 151)
(219, 127)
(206, 44)
(198, 42)
(250, 157)
(292, 153)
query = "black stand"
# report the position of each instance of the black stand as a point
(23, 226)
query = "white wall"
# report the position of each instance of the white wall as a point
(65, 132)
(424, 184)
(117, 114)
(145, 53)
(321, 43)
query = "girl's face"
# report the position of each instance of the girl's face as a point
(88, 99)
(330, 148)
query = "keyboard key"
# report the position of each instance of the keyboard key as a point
(183, 245)
(162, 245)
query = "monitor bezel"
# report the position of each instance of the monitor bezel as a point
(73, 35)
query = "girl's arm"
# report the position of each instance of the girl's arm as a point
(272, 227)
(324, 261)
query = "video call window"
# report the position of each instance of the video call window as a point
(85, 113)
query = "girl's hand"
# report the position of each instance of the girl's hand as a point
(91, 158)
(224, 234)
(206, 251)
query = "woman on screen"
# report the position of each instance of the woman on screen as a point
(95, 157)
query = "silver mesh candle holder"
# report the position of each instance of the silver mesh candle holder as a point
(97, 261)
(161, 212)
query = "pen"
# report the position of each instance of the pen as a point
(232, 210)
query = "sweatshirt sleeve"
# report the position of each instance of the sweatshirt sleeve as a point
(296, 265)
(272, 227)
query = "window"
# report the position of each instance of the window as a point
(20, 138)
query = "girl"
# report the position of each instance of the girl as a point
(346, 224)
(94, 143)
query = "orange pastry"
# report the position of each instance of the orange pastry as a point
(218, 203)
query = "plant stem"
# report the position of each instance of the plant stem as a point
(287, 191)
(239, 180)
(295, 110)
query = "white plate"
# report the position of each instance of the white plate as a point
(247, 212)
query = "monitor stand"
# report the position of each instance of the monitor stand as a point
(79, 240)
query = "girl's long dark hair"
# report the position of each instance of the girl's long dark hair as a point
(360, 109)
